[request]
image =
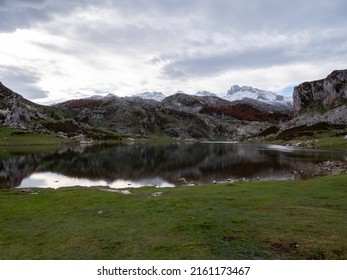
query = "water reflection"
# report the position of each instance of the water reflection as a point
(54, 180)
(154, 164)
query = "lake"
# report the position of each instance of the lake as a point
(153, 164)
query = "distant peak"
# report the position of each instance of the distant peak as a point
(109, 95)
(155, 95)
(247, 92)
(205, 93)
(235, 88)
(180, 92)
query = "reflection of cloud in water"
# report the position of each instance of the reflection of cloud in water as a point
(280, 148)
(33, 182)
(54, 180)
(154, 182)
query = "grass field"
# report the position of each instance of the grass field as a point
(321, 140)
(248, 220)
(18, 137)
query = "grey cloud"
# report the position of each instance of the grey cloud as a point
(313, 50)
(22, 81)
(16, 14)
(280, 16)
(221, 14)
(250, 15)
(213, 17)
(208, 65)
(21, 14)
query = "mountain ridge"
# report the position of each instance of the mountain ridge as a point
(235, 93)
(183, 116)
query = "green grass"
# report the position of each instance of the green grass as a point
(328, 141)
(252, 220)
(18, 137)
(322, 140)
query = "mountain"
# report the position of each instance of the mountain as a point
(110, 95)
(205, 93)
(179, 116)
(240, 93)
(154, 95)
(245, 113)
(185, 101)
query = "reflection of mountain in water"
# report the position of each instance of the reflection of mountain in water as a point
(199, 162)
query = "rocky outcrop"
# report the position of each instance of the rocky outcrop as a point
(321, 101)
(318, 106)
(321, 95)
(17, 112)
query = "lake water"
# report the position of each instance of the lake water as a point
(151, 164)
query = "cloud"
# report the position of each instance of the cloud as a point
(17, 14)
(146, 45)
(264, 52)
(214, 64)
(22, 81)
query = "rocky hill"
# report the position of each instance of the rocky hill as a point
(18, 112)
(318, 105)
(322, 95)
(323, 100)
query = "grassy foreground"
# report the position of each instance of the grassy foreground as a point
(251, 220)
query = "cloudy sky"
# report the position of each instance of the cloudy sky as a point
(57, 50)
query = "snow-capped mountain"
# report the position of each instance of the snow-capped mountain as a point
(206, 93)
(239, 93)
(154, 95)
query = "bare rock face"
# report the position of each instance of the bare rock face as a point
(321, 95)
(14, 110)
